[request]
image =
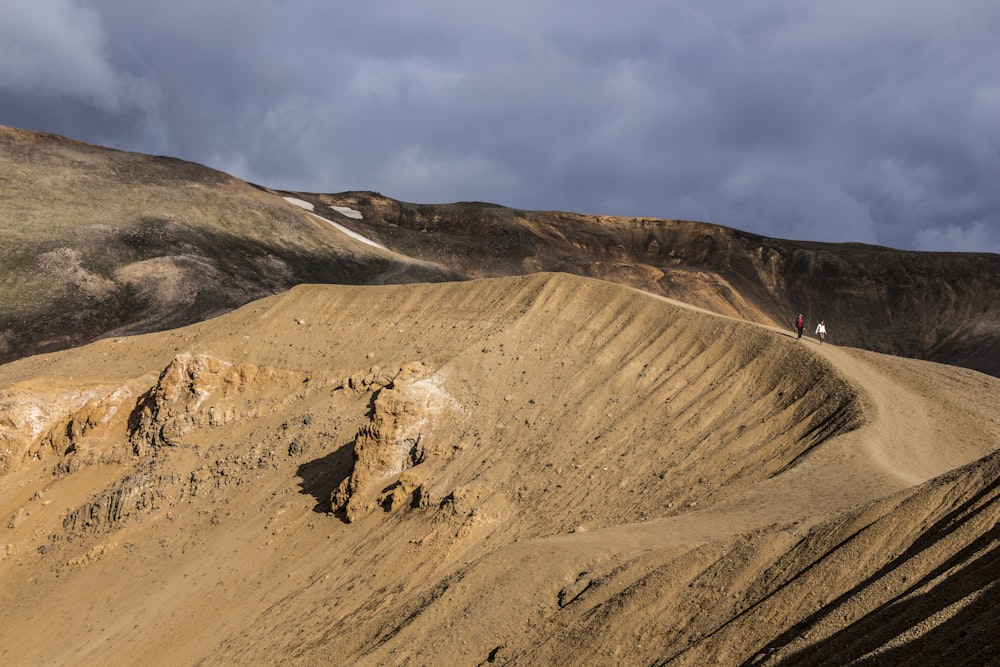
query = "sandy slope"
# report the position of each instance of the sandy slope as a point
(535, 470)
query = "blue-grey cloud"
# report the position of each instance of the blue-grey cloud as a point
(841, 121)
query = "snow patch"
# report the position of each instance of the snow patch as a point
(352, 234)
(348, 212)
(300, 203)
(343, 210)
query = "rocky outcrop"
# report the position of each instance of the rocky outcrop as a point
(137, 492)
(397, 438)
(38, 421)
(196, 391)
(194, 396)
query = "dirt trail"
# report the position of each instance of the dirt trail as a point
(885, 455)
(901, 439)
(900, 446)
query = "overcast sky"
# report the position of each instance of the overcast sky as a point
(843, 120)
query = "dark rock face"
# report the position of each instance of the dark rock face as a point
(939, 306)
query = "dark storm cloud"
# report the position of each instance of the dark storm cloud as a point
(871, 121)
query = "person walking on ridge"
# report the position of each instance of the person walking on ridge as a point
(821, 331)
(800, 324)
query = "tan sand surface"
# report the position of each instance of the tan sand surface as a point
(536, 470)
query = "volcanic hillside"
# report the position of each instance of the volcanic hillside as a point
(96, 242)
(938, 306)
(535, 470)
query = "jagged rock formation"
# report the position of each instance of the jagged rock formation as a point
(398, 437)
(197, 391)
(56, 418)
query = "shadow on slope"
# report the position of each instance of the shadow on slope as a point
(943, 585)
(322, 476)
(905, 579)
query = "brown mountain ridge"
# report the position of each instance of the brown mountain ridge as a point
(938, 306)
(523, 466)
(99, 242)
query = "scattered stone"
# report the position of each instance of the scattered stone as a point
(17, 519)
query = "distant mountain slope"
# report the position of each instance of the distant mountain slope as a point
(96, 241)
(937, 306)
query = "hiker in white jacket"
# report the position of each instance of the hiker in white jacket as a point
(821, 331)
